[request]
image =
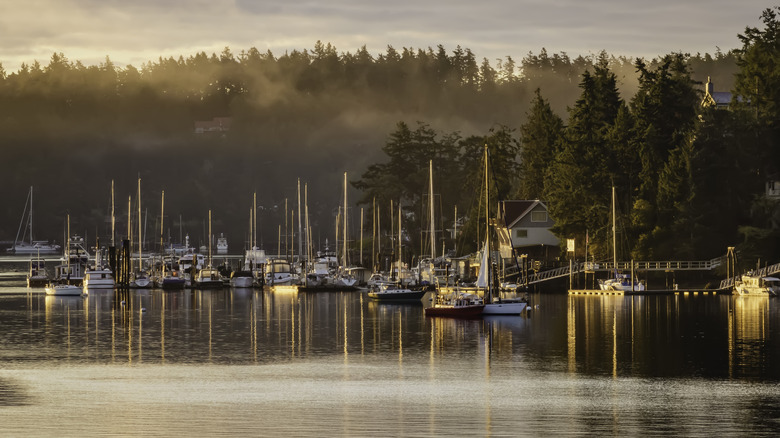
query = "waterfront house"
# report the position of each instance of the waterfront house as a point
(718, 99)
(527, 223)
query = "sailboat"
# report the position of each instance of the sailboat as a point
(458, 303)
(140, 278)
(33, 246)
(208, 277)
(494, 304)
(64, 286)
(395, 291)
(620, 281)
(344, 278)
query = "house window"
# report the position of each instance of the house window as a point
(522, 234)
(538, 216)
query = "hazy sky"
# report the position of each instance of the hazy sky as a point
(136, 31)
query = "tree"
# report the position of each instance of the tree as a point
(540, 139)
(577, 183)
(665, 111)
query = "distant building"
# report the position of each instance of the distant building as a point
(215, 125)
(773, 189)
(718, 99)
(526, 228)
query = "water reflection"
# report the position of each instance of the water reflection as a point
(669, 335)
(327, 361)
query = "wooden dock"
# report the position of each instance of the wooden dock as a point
(693, 292)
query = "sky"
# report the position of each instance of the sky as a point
(137, 31)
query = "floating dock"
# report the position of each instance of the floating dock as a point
(693, 292)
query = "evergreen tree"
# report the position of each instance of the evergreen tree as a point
(540, 135)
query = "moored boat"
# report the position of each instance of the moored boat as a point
(242, 279)
(395, 293)
(458, 306)
(37, 275)
(750, 284)
(64, 289)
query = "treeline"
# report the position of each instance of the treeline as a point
(69, 129)
(690, 178)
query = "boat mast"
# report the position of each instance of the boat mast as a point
(300, 234)
(140, 237)
(162, 218)
(254, 216)
(400, 259)
(31, 215)
(392, 239)
(129, 231)
(430, 201)
(344, 255)
(614, 228)
(489, 294)
(113, 219)
(209, 238)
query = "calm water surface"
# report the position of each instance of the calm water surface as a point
(252, 362)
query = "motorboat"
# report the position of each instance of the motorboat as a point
(37, 275)
(279, 273)
(242, 279)
(396, 293)
(207, 278)
(458, 305)
(751, 284)
(172, 280)
(75, 263)
(621, 282)
(99, 278)
(222, 244)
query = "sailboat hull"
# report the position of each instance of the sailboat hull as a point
(463, 312)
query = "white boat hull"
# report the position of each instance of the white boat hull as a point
(242, 282)
(505, 308)
(64, 290)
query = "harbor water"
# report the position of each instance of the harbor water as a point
(238, 362)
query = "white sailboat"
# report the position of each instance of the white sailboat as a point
(140, 279)
(208, 277)
(344, 278)
(38, 247)
(620, 282)
(494, 304)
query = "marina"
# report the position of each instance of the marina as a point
(212, 359)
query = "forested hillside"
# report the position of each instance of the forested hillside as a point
(70, 129)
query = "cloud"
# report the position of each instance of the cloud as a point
(142, 30)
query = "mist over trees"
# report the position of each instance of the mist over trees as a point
(70, 129)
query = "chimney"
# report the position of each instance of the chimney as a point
(708, 86)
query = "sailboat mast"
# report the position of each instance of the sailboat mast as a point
(300, 233)
(254, 216)
(400, 258)
(162, 218)
(345, 221)
(430, 201)
(209, 238)
(489, 293)
(31, 216)
(140, 237)
(614, 231)
(129, 229)
(113, 218)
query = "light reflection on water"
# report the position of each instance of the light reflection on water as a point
(254, 362)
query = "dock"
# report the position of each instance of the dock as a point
(693, 292)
